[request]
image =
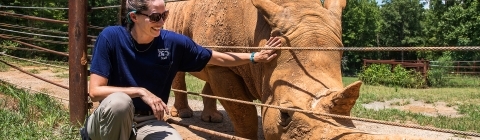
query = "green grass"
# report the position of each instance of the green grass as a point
(466, 98)
(469, 122)
(464, 81)
(33, 116)
(369, 93)
(193, 85)
(22, 63)
(36, 116)
(58, 70)
(4, 67)
(34, 71)
(62, 75)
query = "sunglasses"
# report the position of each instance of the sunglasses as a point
(155, 17)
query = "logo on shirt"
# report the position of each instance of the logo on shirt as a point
(163, 53)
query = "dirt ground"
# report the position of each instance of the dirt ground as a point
(26, 81)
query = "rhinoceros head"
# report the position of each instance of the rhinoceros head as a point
(306, 79)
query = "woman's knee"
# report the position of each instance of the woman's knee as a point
(118, 103)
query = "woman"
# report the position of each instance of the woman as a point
(133, 68)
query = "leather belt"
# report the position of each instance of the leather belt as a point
(143, 113)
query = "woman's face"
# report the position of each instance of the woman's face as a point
(151, 21)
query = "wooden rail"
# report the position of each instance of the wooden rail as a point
(421, 66)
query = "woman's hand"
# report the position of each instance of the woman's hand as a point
(268, 55)
(157, 105)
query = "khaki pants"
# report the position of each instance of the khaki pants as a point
(113, 120)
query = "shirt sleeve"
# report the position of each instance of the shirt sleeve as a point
(101, 63)
(195, 57)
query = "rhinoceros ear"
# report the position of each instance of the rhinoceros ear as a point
(336, 6)
(268, 7)
(345, 100)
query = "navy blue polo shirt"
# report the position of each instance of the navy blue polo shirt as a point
(116, 58)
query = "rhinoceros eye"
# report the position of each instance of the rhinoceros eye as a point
(285, 118)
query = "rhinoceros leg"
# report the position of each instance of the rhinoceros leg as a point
(210, 112)
(225, 83)
(180, 107)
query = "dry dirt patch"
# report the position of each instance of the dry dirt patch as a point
(434, 109)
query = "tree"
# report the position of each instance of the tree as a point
(401, 26)
(360, 24)
(99, 17)
(454, 23)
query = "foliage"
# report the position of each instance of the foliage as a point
(465, 100)
(461, 123)
(381, 74)
(54, 31)
(4, 67)
(376, 74)
(439, 70)
(453, 23)
(409, 23)
(360, 23)
(401, 26)
(364, 24)
(32, 116)
(407, 78)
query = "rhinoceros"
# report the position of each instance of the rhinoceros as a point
(301, 79)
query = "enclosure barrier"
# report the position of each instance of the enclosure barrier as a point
(362, 49)
(78, 61)
(170, 120)
(333, 115)
(38, 77)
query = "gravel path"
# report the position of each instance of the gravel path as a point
(26, 81)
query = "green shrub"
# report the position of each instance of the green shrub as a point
(382, 74)
(437, 73)
(375, 74)
(407, 78)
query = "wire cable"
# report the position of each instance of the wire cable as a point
(32, 28)
(362, 49)
(1, 53)
(36, 47)
(38, 77)
(331, 115)
(34, 34)
(23, 49)
(174, 0)
(30, 89)
(5, 13)
(105, 7)
(35, 39)
(55, 8)
(39, 29)
(23, 7)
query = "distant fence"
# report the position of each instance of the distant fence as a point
(461, 67)
(422, 66)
